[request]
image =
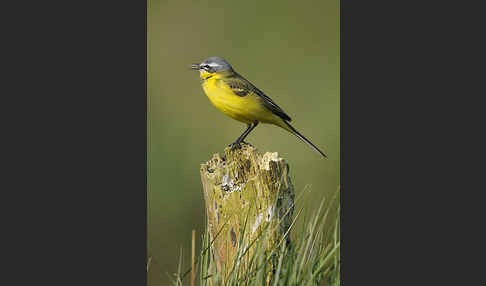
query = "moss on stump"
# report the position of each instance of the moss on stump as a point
(245, 186)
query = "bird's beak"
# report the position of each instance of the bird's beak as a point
(195, 67)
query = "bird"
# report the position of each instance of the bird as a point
(239, 99)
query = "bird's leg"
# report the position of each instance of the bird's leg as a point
(237, 142)
(243, 136)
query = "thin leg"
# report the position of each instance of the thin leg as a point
(247, 131)
(244, 134)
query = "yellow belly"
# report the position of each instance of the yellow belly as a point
(246, 109)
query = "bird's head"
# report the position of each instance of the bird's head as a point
(211, 67)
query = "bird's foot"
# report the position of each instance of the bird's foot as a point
(235, 145)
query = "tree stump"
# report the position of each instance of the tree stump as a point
(245, 186)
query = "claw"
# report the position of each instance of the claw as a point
(235, 145)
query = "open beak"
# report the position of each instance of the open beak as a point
(195, 67)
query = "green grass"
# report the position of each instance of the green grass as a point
(311, 258)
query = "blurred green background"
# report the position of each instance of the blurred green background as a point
(288, 49)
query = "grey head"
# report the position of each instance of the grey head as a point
(212, 65)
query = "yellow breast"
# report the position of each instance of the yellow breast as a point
(246, 109)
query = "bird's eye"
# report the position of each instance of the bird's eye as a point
(206, 67)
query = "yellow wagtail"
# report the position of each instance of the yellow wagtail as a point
(236, 97)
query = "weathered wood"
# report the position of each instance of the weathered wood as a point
(244, 185)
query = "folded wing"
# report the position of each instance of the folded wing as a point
(242, 87)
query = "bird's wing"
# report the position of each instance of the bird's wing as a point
(242, 87)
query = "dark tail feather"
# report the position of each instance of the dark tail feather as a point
(301, 137)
